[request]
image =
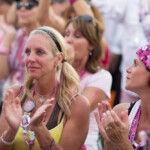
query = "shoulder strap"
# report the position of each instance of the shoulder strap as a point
(131, 106)
(20, 91)
(19, 94)
(54, 117)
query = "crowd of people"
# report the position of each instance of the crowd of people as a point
(74, 74)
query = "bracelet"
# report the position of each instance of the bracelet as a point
(5, 142)
(51, 145)
(4, 50)
(72, 1)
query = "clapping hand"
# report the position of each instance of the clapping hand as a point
(102, 108)
(12, 110)
(114, 129)
(40, 113)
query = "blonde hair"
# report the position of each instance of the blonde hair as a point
(69, 79)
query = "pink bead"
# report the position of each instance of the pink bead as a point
(31, 143)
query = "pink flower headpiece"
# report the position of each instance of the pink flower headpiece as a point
(144, 55)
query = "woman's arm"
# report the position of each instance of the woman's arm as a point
(5, 47)
(12, 15)
(47, 16)
(81, 8)
(75, 128)
(96, 89)
(94, 95)
(43, 12)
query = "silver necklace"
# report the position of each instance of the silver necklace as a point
(42, 98)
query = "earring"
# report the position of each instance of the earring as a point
(90, 53)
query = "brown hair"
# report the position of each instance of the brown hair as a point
(93, 33)
(94, 9)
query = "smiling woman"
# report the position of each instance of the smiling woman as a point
(13, 44)
(50, 104)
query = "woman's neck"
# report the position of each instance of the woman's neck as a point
(44, 87)
(27, 29)
(79, 65)
(145, 102)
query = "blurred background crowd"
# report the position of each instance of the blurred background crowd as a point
(121, 26)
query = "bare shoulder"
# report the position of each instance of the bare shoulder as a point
(121, 107)
(80, 105)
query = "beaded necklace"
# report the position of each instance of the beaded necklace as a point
(25, 121)
(82, 73)
(133, 128)
(134, 125)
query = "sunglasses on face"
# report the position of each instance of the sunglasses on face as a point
(27, 5)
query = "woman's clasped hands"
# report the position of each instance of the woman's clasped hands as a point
(113, 128)
(13, 111)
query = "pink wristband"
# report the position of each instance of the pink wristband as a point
(4, 50)
(72, 1)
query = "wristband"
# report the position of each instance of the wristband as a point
(72, 1)
(4, 50)
(5, 142)
(51, 145)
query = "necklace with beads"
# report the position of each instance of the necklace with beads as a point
(133, 128)
(25, 120)
(42, 98)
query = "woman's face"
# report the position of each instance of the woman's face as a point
(39, 59)
(137, 76)
(80, 44)
(27, 17)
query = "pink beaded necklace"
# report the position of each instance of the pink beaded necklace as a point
(25, 121)
(133, 128)
(82, 73)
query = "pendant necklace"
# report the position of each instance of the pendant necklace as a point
(42, 98)
(25, 122)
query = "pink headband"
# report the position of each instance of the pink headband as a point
(144, 55)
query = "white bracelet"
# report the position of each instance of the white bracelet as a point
(5, 142)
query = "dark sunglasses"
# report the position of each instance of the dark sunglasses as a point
(87, 18)
(27, 5)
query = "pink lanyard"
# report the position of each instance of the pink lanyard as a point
(133, 128)
(21, 48)
(134, 125)
(82, 73)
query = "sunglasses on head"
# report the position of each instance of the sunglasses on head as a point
(87, 18)
(27, 5)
